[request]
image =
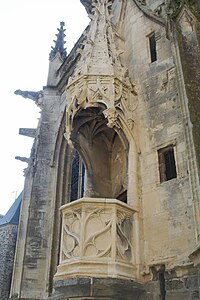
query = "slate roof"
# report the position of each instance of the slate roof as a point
(12, 216)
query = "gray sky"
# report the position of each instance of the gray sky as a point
(27, 31)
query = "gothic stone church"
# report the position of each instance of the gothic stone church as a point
(111, 201)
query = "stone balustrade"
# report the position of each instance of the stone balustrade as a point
(97, 239)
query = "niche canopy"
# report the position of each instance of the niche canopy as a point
(99, 77)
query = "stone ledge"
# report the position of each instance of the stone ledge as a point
(97, 288)
(81, 268)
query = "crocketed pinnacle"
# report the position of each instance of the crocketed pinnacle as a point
(59, 43)
(100, 56)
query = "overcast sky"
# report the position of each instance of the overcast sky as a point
(27, 31)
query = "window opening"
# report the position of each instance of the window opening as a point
(152, 45)
(82, 179)
(123, 197)
(167, 164)
(77, 177)
(161, 277)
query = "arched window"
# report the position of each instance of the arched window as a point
(77, 177)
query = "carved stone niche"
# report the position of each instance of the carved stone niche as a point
(97, 240)
(103, 147)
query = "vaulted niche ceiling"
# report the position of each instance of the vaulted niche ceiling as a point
(104, 152)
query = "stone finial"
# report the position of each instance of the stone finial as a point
(100, 55)
(59, 43)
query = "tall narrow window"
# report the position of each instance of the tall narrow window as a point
(167, 164)
(77, 178)
(152, 47)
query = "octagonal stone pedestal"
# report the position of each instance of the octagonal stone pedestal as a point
(97, 251)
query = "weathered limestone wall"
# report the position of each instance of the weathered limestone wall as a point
(40, 216)
(188, 36)
(169, 230)
(8, 236)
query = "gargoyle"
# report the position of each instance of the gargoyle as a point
(35, 96)
(23, 159)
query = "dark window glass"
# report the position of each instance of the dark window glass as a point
(82, 180)
(123, 197)
(152, 44)
(75, 177)
(167, 164)
(170, 167)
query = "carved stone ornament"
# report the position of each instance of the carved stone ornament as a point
(96, 235)
(99, 77)
(67, 136)
(158, 10)
(111, 114)
(143, 2)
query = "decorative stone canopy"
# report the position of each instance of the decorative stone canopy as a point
(99, 77)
